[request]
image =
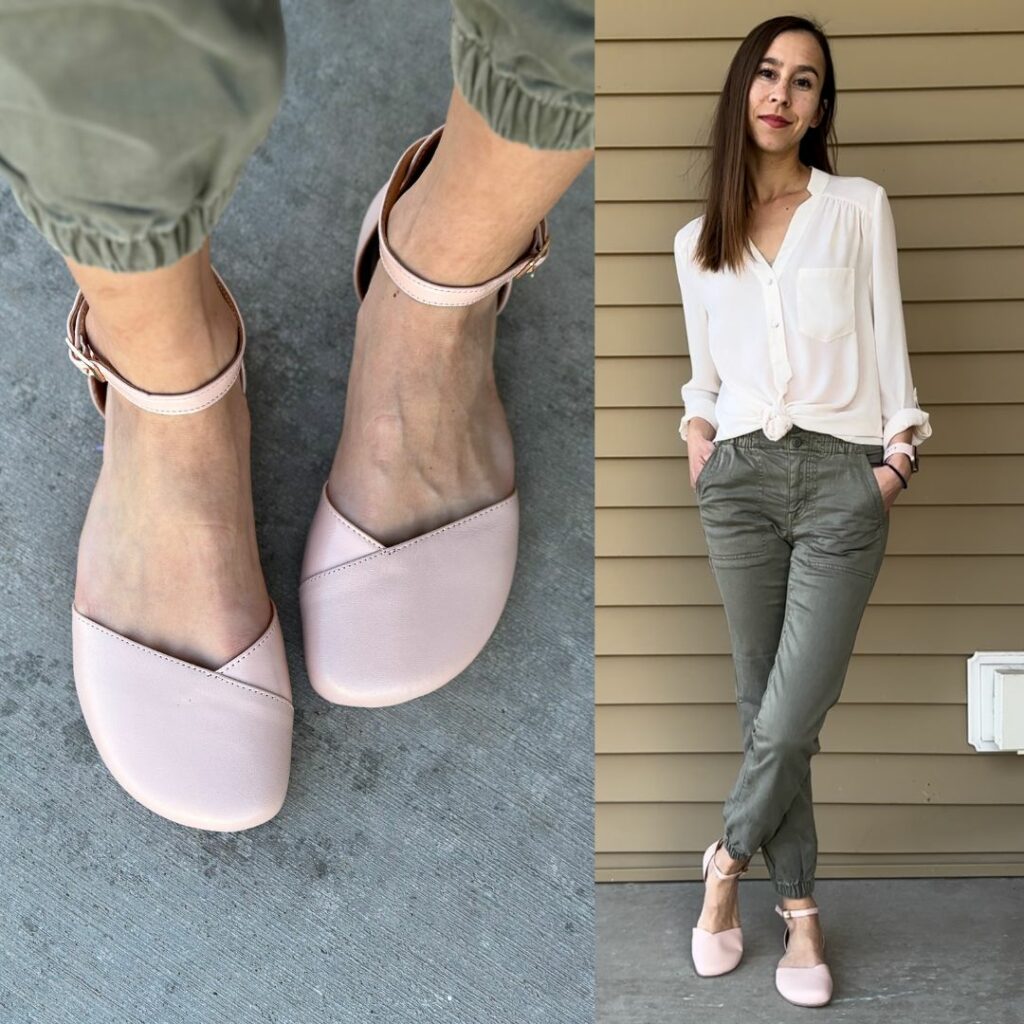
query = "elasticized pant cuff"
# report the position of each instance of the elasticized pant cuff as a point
(155, 244)
(794, 890)
(511, 111)
(734, 851)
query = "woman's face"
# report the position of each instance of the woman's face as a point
(786, 92)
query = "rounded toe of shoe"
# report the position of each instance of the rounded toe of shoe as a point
(716, 953)
(390, 647)
(197, 747)
(401, 622)
(805, 986)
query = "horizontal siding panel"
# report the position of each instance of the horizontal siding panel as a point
(710, 679)
(840, 827)
(958, 430)
(996, 326)
(944, 222)
(661, 19)
(919, 579)
(836, 778)
(924, 276)
(912, 531)
(925, 115)
(933, 629)
(871, 62)
(925, 169)
(948, 480)
(848, 729)
(941, 378)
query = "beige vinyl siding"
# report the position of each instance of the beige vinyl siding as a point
(931, 105)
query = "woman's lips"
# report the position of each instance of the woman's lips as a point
(775, 122)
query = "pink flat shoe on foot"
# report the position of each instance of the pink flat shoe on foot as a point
(382, 625)
(207, 749)
(803, 986)
(716, 953)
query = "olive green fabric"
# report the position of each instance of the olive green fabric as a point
(796, 532)
(528, 67)
(125, 128)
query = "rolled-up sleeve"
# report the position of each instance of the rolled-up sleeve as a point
(899, 396)
(700, 392)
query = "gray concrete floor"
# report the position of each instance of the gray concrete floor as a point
(433, 860)
(923, 951)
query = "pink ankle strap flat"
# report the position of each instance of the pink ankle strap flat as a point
(383, 625)
(716, 953)
(207, 749)
(803, 986)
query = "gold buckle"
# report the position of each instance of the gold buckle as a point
(536, 259)
(83, 362)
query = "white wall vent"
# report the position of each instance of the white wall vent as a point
(995, 701)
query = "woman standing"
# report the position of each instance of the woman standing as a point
(801, 423)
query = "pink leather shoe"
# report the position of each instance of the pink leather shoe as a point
(716, 953)
(803, 986)
(208, 749)
(382, 625)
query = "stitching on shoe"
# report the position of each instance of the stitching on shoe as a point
(177, 661)
(182, 412)
(272, 628)
(398, 548)
(344, 522)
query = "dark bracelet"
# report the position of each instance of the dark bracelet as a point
(903, 479)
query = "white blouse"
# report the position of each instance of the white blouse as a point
(815, 339)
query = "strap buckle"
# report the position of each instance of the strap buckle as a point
(86, 363)
(536, 259)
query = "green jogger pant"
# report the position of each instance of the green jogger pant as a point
(124, 128)
(796, 531)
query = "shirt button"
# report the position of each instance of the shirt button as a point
(797, 442)
(775, 325)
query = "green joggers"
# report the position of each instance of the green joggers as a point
(124, 128)
(796, 531)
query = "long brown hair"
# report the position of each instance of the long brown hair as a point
(729, 192)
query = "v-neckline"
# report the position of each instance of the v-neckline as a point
(814, 187)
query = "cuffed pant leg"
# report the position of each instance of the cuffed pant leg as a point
(751, 564)
(528, 67)
(749, 502)
(124, 129)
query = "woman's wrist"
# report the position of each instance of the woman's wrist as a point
(902, 463)
(903, 477)
(701, 428)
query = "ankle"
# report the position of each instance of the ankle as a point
(167, 354)
(434, 238)
(797, 903)
(726, 863)
(424, 331)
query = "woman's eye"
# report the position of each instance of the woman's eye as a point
(804, 83)
(766, 71)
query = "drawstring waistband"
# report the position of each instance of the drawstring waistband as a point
(801, 439)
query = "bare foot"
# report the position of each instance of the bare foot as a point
(168, 553)
(721, 909)
(425, 440)
(805, 938)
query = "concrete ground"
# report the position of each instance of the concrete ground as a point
(433, 860)
(923, 951)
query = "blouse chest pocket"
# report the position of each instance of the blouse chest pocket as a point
(825, 302)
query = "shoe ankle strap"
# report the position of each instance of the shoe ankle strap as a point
(407, 170)
(803, 912)
(101, 373)
(722, 875)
